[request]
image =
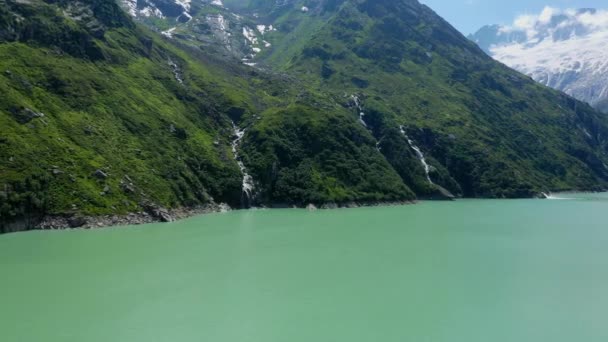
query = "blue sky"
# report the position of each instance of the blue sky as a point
(469, 15)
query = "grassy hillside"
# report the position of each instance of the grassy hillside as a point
(487, 128)
(100, 116)
(364, 101)
(303, 155)
(108, 124)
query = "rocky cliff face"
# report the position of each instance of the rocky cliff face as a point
(565, 50)
(243, 30)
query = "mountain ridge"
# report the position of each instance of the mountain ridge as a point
(561, 49)
(369, 101)
(409, 45)
(119, 120)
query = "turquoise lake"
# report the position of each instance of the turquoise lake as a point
(463, 271)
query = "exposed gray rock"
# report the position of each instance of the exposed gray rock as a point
(311, 207)
(160, 213)
(350, 205)
(127, 186)
(329, 206)
(444, 193)
(224, 208)
(100, 174)
(25, 115)
(77, 221)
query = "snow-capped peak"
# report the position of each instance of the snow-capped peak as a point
(563, 49)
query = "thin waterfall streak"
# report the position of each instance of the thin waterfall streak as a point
(248, 186)
(359, 107)
(419, 154)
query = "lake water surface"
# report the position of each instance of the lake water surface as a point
(467, 271)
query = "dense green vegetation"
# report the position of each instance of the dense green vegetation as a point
(113, 129)
(302, 155)
(99, 115)
(487, 130)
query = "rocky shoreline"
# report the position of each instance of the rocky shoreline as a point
(153, 215)
(157, 215)
(351, 205)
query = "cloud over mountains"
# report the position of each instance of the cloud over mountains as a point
(563, 49)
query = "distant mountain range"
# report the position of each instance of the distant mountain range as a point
(563, 49)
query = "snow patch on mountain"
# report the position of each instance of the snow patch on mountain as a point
(250, 35)
(255, 41)
(131, 6)
(209, 22)
(220, 25)
(263, 28)
(151, 12)
(184, 3)
(564, 49)
(169, 32)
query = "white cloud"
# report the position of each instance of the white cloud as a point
(597, 20)
(546, 15)
(539, 26)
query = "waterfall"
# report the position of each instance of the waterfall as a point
(248, 185)
(550, 196)
(359, 107)
(176, 71)
(427, 167)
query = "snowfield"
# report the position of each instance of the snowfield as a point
(563, 49)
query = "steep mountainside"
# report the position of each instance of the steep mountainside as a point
(250, 31)
(418, 84)
(101, 117)
(351, 101)
(565, 50)
(427, 78)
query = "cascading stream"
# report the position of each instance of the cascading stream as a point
(419, 154)
(359, 107)
(248, 184)
(176, 71)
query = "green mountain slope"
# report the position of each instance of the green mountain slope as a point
(486, 130)
(95, 120)
(358, 101)
(100, 116)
